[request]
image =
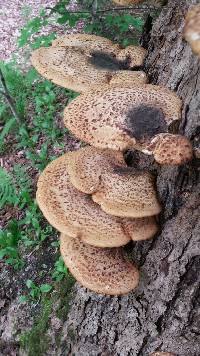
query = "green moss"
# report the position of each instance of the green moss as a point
(64, 296)
(35, 341)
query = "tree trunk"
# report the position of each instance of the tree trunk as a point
(163, 314)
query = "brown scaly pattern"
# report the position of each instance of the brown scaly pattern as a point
(102, 114)
(120, 190)
(127, 2)
(89, 42)
(191, 30)
(104, 271)
(74, 212)
(60, 63)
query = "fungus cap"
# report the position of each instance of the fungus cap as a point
(122, 117)
(74, 213)
(62, 66)
(160, 353)
(127, 2)
(120, 190)
(134, 54)
(104, 270)
(85, 41)
(171, 149)
(129, 77)
(86, 165)
(86, 66)
(191, 30)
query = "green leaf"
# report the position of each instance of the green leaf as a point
(8, 192)
(23, 299)
(30, 284)
(7, 127)
(31, 76)
(45, 288)
(3, 253)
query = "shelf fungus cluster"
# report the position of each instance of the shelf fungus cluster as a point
(191, 30)
(127, 2)
(91, 196)
(82, 62)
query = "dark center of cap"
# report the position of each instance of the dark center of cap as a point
(123, 171)
(102, 60)
(144, 122)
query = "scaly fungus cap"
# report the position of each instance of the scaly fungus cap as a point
(86, 165)
(122, 117)
(128, 77)
(191, 30)
(85, 41)
(171, 149)
(74, 213)
(120, 190)
(135, 54)
(160, 353)
(81, 68)
(141, 228)
(127, 2)
(104, 270)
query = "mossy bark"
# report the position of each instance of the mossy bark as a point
(164, 312)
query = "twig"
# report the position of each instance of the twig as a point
(150, 7)
(94, 7)
(9, 98)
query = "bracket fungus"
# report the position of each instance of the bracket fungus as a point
(128, 77)
(103, 270)
(191, 30)
(127, 2)
(86, 42)
(170, 149)
(161, 353)
(74, 213)
(83, 62)
(120, 190)
(128, 116)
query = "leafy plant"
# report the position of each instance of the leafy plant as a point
(60, 270)
(9, 239)
(35, 292)
(8, 193)
(15, 187)
(32, 27)
(111, 24)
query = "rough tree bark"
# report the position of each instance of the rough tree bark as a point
(164, 312)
